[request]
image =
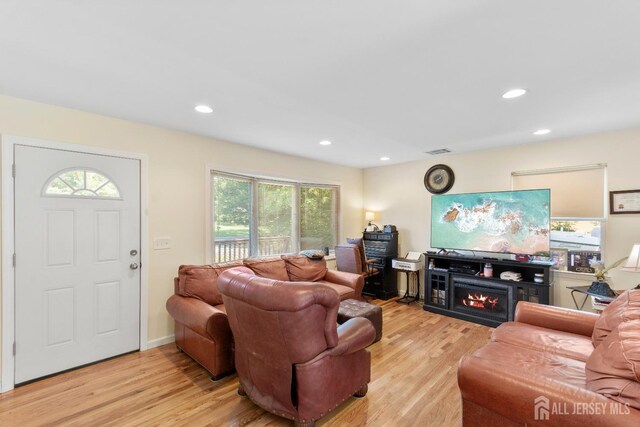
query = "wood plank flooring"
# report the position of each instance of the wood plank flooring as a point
(413, 383)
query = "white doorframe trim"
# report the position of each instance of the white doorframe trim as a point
(8, 143)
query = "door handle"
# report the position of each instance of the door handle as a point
(133, 266)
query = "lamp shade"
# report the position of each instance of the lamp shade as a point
(369, 216)
(633, 262)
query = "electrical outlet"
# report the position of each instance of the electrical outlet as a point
(160, 243)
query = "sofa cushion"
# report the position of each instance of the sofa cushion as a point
(510, 381)
(199, 281)
(271, 268)
(345, 292)
(303, 269)
(565, 344)
(614, 367)
(534, 366)
(625, 307)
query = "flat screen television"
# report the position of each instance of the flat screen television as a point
(514, 222)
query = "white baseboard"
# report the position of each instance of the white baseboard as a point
(160, 341)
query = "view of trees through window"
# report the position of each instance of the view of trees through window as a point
(254, 217)
(318, 217)
(275, 218)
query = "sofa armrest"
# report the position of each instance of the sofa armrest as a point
(352, 280)
(198, 316)
(515, 395)
(556, 318)
(353, 335)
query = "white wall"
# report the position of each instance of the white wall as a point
(177, 178)
(397, 192)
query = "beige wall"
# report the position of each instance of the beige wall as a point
(177, 177)
(177, 163)
(397, 192)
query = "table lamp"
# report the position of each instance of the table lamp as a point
(370, 216)
(633, 262)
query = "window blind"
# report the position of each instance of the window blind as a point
(576, 192)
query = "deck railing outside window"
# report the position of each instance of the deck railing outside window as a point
(229, 249)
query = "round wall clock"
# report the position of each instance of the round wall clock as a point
(439, 179)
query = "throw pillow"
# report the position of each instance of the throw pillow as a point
(625, 307)
(613, 369)
(199, 281)
(303, 269)
(313, 253)
(271, 268)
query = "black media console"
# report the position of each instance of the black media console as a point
(455, 287)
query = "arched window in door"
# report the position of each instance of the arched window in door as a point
(83, 183)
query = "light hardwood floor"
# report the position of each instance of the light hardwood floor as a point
(413, 382)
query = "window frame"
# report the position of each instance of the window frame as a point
(254, 180)
(58, 175)
(605, 212)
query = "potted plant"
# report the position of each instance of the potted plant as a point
(600, 286)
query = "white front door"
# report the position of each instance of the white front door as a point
(77, 246)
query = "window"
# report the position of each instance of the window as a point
(81, 183)
(254, 216)
(578, 209)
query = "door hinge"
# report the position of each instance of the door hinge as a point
(14, 260)
(14, 348)
(13, 170)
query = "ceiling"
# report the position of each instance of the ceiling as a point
(377, 78)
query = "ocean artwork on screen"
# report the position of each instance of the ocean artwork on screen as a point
(507, 221)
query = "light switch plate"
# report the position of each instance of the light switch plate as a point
(160, 243)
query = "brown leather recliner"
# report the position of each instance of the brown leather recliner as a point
(291, 358)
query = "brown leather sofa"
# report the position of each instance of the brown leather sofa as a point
(292, 358)
(557, 367)
(201, 326)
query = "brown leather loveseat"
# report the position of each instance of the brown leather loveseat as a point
(557, 367)
(201, 326)
(292, 358)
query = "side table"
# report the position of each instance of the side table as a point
(584, 290)
(413, 286)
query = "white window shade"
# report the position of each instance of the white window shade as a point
(575, 192)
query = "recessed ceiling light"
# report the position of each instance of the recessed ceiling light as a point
(385, 158)
(325, 142)
(205, 109)
(542, 132)
(514, 93)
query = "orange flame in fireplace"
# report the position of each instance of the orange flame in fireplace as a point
(480, 301)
